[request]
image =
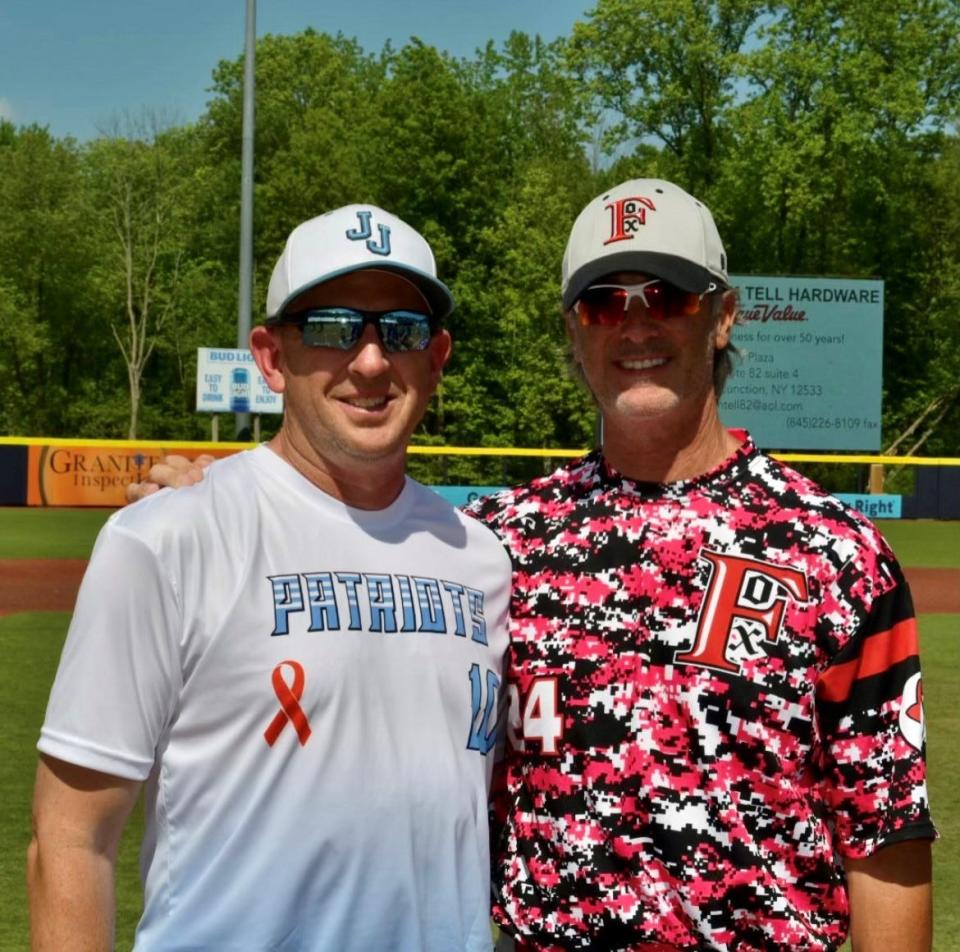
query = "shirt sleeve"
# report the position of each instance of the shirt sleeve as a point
(119, 676)
(870, 718)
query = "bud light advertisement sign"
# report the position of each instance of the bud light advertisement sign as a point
(228, 381)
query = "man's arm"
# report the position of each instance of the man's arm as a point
(78, 816)
(174, 471)
(891, 899)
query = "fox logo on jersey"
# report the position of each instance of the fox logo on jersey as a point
(743, 595)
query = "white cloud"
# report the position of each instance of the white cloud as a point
(6, 109)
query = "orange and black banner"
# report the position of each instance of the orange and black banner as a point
(86, 474)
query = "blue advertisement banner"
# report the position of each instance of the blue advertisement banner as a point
(461, 495)
(877, 506)
(872, 506)
(811, 373)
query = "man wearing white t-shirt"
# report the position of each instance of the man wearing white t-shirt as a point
(298, 658)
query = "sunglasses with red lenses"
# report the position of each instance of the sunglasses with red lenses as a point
(607, 305)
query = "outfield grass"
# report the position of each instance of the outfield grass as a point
(32, 533)
(36, 533)
(31, 643)
(940, 652)
(923, 543)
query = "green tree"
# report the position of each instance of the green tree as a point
(510, 383)
(468, 140)
(666, 72)
(313, 144)
(135, 188)
(432, 152)
(844, 98)
(45, 317)
(532, 103)
(923, 409)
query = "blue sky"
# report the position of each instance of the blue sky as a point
(79, 66)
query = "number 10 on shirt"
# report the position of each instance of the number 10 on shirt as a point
(483, 718)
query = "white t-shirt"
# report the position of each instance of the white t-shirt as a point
(310, 692)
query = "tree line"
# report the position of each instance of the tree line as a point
(822, 135)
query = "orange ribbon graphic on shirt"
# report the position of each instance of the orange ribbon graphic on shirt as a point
(290, 710)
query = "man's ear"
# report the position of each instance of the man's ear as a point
(727, 318)
(570, 325)
(440, 346)
(267, 349)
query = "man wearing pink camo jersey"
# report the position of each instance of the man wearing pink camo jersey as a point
(715, 735)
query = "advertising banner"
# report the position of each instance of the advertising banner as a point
(90, 475)
(812, 368)
(876, 506)
(463, 495)
(228, 381)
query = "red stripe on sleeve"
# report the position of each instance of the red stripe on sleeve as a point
(880, 652)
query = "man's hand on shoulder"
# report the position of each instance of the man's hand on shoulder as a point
(173, 471)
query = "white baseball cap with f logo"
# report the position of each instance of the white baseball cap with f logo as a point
(646, 225)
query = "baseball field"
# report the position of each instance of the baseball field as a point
(42, 556)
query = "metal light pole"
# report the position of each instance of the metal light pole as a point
(246, 201)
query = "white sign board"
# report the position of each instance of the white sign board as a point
(228, 382)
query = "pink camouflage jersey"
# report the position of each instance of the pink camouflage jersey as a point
(714, 696)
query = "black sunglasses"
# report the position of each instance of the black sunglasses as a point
(342, 327)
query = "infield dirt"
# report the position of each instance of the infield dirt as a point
(51, 585)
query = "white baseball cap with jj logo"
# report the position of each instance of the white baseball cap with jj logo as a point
(647, 225)
(350, 239)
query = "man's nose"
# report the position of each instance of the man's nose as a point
(371, 358)
(639, 323)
